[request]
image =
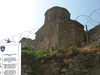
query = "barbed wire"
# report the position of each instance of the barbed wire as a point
(31, 33)
(89, 18)
(90, 21)
(17, 37)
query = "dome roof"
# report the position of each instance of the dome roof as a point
(58, 10)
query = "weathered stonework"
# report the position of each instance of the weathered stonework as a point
(94, 34)
(26, 42)
(59, 31)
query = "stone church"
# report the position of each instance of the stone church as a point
(59, 31)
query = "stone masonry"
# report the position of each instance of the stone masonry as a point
(26, 42)
(94, 34)
(59, 31)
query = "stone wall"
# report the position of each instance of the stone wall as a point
(94, 34)
(27, 42)
(46, 37)
(70, 33)
(80, 64)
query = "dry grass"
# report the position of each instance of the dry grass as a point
(88, 49)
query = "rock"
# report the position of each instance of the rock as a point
(70, 65)
(98, 53)
(65, 60)
(63, 70)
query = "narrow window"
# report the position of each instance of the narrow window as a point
(54, 16)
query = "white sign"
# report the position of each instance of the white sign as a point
(10, 59)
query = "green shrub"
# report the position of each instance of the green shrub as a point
(73, 49)
(27, 53)
(41, 53)
(28, 57)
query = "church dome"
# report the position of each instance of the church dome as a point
(57, 13)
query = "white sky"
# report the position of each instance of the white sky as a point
(15, 17)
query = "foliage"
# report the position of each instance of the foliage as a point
(27, 53)
(73, 49)
(41, 53)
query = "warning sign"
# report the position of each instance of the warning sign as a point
(10, 59)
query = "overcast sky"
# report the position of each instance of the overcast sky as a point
(18, 16)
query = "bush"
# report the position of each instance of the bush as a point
(27, 52)
(38, 54)
(27, 57)
(41, 53)
(73, 49)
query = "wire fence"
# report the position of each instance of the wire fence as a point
(17, 37)
(89, 20)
